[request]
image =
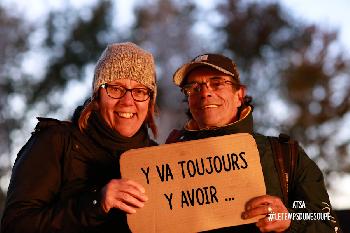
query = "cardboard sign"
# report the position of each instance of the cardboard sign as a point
(196, 185)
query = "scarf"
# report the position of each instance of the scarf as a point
(111, 140)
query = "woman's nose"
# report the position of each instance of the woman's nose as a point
(127, 99)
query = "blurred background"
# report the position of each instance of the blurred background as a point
(292, 54)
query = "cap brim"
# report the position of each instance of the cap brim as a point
(182, 72)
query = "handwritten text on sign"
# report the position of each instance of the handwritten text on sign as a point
(195, 186)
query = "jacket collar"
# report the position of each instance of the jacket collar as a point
(243, 125)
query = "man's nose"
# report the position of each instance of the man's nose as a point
(206, 89)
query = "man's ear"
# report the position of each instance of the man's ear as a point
(241, 92)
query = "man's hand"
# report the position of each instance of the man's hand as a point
(265, 205)
(123, 194)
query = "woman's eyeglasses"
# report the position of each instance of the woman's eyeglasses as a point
(139, 94)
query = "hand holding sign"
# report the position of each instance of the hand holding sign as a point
(123, 194)
(196, 185)
(265, 205)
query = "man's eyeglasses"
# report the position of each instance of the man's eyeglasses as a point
(139, 94)
(214, 83)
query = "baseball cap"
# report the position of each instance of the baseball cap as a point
(217, 61)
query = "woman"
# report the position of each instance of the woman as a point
(67, 177)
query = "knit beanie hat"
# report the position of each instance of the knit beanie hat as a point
(125, 61)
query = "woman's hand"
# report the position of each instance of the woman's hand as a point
(265, 205)
(123, 194)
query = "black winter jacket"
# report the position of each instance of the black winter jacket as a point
(58, 176)
(308, 182)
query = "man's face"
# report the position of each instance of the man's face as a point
(213, 108)
(124, 115)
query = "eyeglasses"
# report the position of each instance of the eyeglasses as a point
(139, 94)
(215, 84)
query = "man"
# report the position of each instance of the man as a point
(218, 106)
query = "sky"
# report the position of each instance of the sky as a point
(328, 14)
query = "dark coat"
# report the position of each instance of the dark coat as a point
(308, 185)
(58, 176)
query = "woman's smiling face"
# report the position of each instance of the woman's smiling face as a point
(124, 115)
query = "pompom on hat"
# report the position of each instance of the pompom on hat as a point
(216, 61)
(125, 61)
